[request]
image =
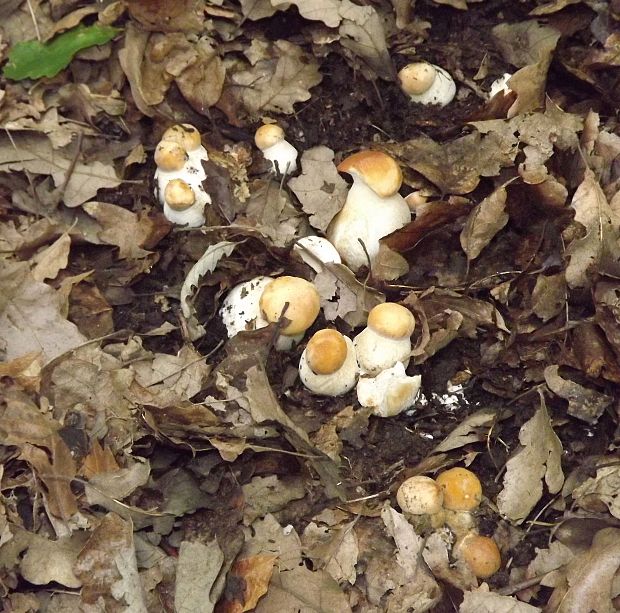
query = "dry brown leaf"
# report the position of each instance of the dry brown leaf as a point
(319, 188)
(583, 403)
(597, 250)
(538, 458)
(549, 295)
(327, 11)
(483, 223)
(472, 429)
(99, 460)
(50, 261)
(254, 572)
(25, 370)
(163, 16)
(281, 75)
(601, 489)
(130, 58)
(482, 600)
(525, 43)
(269, 494)
(259, 9)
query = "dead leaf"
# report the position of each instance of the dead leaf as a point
(53, 259)
(320, 188)
(549, 295)
(597, 250)
(162, 16)
(99, 460)
(327, 11)
(268, 495)
(602, 489)
(254, 573)
(472, 429)
(538, 458)
(583, 403)
(483, 223)
(482, 600)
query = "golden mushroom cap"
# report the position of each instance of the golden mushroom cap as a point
(326, 352)
(183, 134)
(391, 320)
(417, 78)
(179, 195)
(480, 553)
(170, 156)
(462, 490)
(378, 170)
(268, 135)
(303, 303)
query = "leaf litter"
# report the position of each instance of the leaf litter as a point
(149, 463)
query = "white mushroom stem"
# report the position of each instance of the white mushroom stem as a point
(390, 392)
(283, 157)
(366, 217)
(376, 352)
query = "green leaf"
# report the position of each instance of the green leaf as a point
(32, 59)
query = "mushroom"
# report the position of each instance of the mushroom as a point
(390, 392)
(282, 155)
(420, 495)
(180, 175)
(386, 339)
(316, 251)
(480, 553)
(426, 83)
(373, 208)
(462, 490)
(240, 309)
(500, 85)
(297, 300)
(328, 366)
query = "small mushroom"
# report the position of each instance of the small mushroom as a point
(282, 155)
(373, 208)
(328, 366)
(316, 251)
(500, 85)
(386, 339)
(426, 83)
(420, 495)
(297, 300)
(180, 175)
(240, 310)
(390, 392)
(480, 553)
(462, 490)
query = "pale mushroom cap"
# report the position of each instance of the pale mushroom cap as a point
(480, 553)
(303, 303)
(240, 310)
(170, 156)
(179, 195)
(183, 134)
(377, 169)
(268, 135)
(462, 490)
(316, 251)
(420, 495)
(417, 78)
(326, 351)
(391, 320)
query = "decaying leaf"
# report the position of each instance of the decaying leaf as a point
(483, 223)
(602, 489)
(538, 458)
(482, 600)
(549, 295)
(597, 250)
(320, 189)
(268, 495)
(584, 403)
(255, 572)
(472, 429)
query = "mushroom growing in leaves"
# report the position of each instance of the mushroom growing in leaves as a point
(386, 338)
(328, 366)
(373, 208)
(282, 155)
(180, 175)
(426, 83)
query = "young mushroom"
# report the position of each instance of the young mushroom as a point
(240, 310)
(316, 251)
(426, 83)
(373, 208)
(328, 366)
(282, 155)
(389, 393)
(420, 495)
(386, 338)
(180, 175)
(480, 553)
(462, 494)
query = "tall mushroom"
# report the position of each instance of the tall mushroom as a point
(373, 208)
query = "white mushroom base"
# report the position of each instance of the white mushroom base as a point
(336, 383)
(389, 393)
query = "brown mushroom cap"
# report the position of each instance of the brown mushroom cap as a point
(268, 135)
(462, 490)
(170, 156)
(179, 195)
(480, 553)
(378, 170)
(417, 78)
(303, 303)
(326, 352)
(392, 320)
(183, 134)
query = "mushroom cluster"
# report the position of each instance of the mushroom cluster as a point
(373, 208)
(179, 176)
(451, 499)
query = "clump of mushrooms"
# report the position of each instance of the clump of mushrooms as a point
(179, 176)
(373, 208)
